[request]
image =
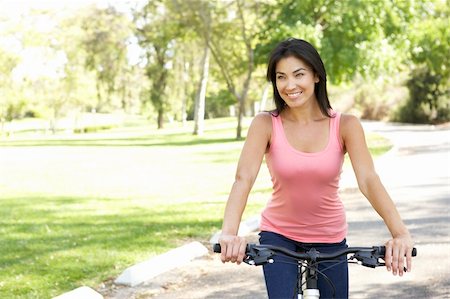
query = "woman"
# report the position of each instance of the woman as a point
(304, 142)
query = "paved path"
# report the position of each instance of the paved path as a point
(416, 173)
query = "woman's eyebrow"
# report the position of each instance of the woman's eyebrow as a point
(296, 71)
(299, 69)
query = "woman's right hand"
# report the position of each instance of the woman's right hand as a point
(232, 248)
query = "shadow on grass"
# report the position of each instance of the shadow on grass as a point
(55, 227)
(63, 242)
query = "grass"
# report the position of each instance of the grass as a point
(78, 209)
(55, 244)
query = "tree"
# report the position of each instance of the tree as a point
(232, 46)
(228, 29)
(39, 71)
(156, 32)
(106, 36)
(199, 108)
(9, 106)
(353, 37)
(429, 72)
(194, 18)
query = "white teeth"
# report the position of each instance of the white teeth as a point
(294, 94)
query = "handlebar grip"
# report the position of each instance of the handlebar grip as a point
(217, 248)
(383, 251)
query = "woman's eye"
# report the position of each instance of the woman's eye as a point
(300, 75)
(280, 77)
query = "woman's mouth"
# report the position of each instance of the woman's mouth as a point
(293, 95)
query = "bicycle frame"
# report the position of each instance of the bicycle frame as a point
(309, 273)
(311, 291)
(262, 254)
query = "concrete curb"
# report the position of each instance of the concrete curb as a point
(81, 292)
(174, 258)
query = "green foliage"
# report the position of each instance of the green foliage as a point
(374, 99)
(429, 92)
(10, 108)
(372, 39)
(218, 104)
(428, 100)
(92, 129)
(105, 39)
(14, 110)
(430, 39)
(371, 102)
(367, 39)
(353, 37)
(156, 30)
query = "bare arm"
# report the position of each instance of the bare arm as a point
(258, 137)
(371, 186)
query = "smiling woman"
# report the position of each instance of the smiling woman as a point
(304, 142)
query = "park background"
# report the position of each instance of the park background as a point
(122, 121)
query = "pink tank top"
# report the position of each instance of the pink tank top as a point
(305, 204)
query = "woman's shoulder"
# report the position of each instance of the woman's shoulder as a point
(262, 122)
(349, 122)
(264, 117)
(349, 118)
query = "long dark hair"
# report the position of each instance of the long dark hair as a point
(305, 51)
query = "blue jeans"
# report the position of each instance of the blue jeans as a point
(281, 276)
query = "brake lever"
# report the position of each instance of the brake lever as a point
(258, 257)
(368, 258)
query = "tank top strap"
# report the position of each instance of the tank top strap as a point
(334, 130)
(277, 126)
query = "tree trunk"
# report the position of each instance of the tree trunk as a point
(199, 112)
(240, 117)
(263, 103)
(98, 105)
(185, 93)
(160, 118)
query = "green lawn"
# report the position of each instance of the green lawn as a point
(78, 209)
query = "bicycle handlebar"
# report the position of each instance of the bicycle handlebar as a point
(262, 254)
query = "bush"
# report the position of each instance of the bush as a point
(93, 129)
(370, 102)
(428, 100)
(14, 110)
(374, 99)
(217, 104)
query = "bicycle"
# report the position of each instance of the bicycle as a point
(308, 262)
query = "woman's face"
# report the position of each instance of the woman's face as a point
(295, 81)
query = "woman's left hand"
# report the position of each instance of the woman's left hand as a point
(398, 250)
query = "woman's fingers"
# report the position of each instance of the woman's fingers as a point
(241, 254)
(398, 256)
(409, 259)
(233, 249)
(388, 256)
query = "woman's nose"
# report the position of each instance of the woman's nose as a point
(291, 83)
